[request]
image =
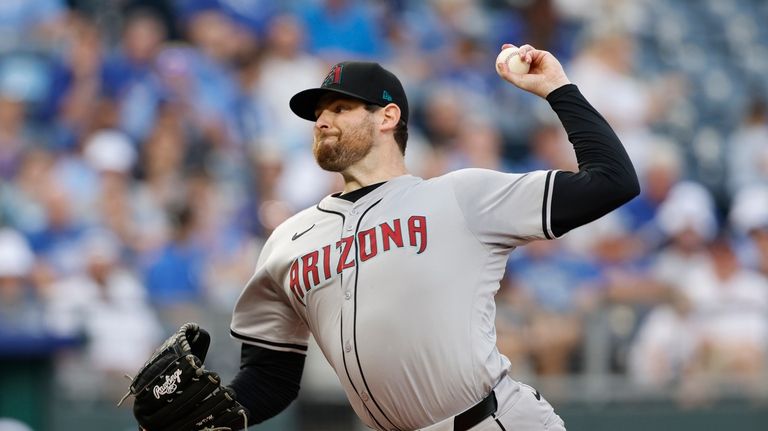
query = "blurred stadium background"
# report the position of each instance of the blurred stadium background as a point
(146, 151)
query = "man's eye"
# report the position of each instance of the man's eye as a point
(340, 108)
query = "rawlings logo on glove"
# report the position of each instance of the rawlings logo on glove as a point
(169, 386)
(189, 398)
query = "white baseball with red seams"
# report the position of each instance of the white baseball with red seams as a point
(398, 290)
(514, 63)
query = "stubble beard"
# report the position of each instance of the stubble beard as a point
(350, 147)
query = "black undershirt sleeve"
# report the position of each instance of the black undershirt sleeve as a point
(268, 381)
(606, 178)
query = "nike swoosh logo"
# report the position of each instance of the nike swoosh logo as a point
(298, 235)
(537, 395)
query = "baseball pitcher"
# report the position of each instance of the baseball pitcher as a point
(395, 276)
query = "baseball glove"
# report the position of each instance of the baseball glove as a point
(174, 392)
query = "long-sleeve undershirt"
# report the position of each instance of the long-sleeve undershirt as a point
(606, 178)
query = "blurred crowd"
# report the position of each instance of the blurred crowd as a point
(147, 151)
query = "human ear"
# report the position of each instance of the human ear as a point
(390, 116)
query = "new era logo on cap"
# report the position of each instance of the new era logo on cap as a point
(366, 81)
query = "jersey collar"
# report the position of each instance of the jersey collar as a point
(333, 203)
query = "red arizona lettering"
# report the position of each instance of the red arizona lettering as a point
(344, 245)
(327, 261)
(309, 262)
(294, 275)
(417, 226)
(364, 238)
(391, 234)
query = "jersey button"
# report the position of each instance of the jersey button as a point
(364, 396)
(349, 228)
(347, 347)
(347, 295)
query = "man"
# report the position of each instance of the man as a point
(395, 276)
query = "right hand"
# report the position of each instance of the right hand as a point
(545, 75)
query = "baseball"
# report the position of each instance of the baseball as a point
(514, 62)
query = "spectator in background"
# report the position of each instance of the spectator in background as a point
(21, 313)
(54, 241)
(637, 282)
(161, 168)
(712, 322)
(210, 30)
(730, 305)
(687, 219)
(80, 173)
(251, 15)
(605, 70)
(77, 105)
(198, 93)
(200, 80)
(230, 248)
(662, 352)
(174, 273)
(650, 318)
(435, 25)
(105, 304)
(747, 153)
(24, 23)
(664, 170)
(129, 79)
(461, 65)
(22, 82)
(552, 290)
(749, 218)
(331, 25)
(112, 156)
(21, 197)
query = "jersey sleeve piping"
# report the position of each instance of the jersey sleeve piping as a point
(271, 345)
(546, 207)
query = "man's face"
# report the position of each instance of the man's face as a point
(343, 133)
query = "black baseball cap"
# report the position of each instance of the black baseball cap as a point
(365, 81)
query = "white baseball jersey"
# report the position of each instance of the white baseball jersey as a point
(398, 289)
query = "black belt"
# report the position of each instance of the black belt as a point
(476, 414)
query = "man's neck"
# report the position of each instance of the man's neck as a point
(357, 180)
(372, 170)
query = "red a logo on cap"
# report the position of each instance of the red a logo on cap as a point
(334, 76)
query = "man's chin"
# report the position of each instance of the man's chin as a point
(330, 165)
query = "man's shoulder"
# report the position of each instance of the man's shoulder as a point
(472, 174)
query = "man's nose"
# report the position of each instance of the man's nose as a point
(323, 120)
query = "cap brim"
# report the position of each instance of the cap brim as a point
(305, 102)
